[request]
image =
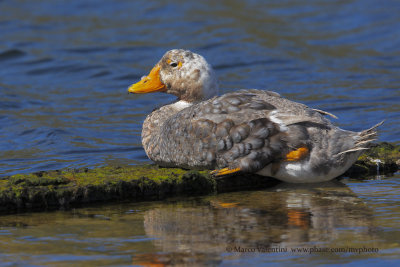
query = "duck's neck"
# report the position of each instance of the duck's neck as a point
(153, 123)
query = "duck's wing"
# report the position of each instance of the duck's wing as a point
(245, 131)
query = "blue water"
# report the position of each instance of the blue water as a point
(64, 71)
(65, 67)
(340, 221)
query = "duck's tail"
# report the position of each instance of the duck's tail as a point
(364, 139)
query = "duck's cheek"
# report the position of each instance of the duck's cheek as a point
(195, 75)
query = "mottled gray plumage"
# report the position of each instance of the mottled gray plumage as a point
(253, 130)
(236, 131)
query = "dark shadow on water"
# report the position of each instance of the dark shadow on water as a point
(50, 70)
(11, 54)
(10, 105)
(37, 61)
(100, 74)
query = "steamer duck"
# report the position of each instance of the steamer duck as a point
(249, 131)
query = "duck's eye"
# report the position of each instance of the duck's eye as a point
(173, 64)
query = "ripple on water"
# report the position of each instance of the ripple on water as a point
(68, 67)
(199, 229)
(10, 105)
(11, 54)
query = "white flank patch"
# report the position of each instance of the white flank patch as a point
(294, 169)
(301, 172)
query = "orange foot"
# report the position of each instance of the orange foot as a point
(224, 171)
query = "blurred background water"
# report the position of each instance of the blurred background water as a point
(64, 70)
(65, 67)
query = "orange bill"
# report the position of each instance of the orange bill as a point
(150, 83)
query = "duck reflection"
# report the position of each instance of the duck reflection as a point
(285, 215)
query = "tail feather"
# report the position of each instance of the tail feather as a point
(352, 150)
(373, 128)
(365, 142)
(364, 139)
(367, 136)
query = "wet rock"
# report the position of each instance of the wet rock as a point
(381, 158)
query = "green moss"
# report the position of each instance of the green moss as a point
(114, 174)
(73, 187)
(385, 151)
(384, 154)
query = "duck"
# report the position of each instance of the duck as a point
(244, 131)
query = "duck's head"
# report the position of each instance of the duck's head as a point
(182, 73)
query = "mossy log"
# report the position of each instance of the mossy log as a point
(72, 188)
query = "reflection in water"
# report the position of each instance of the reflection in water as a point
(284, 216)
(198, 230)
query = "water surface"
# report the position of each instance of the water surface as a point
(64, 70)
(65, 67)
(347, 217)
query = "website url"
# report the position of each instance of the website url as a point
(307, 250)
